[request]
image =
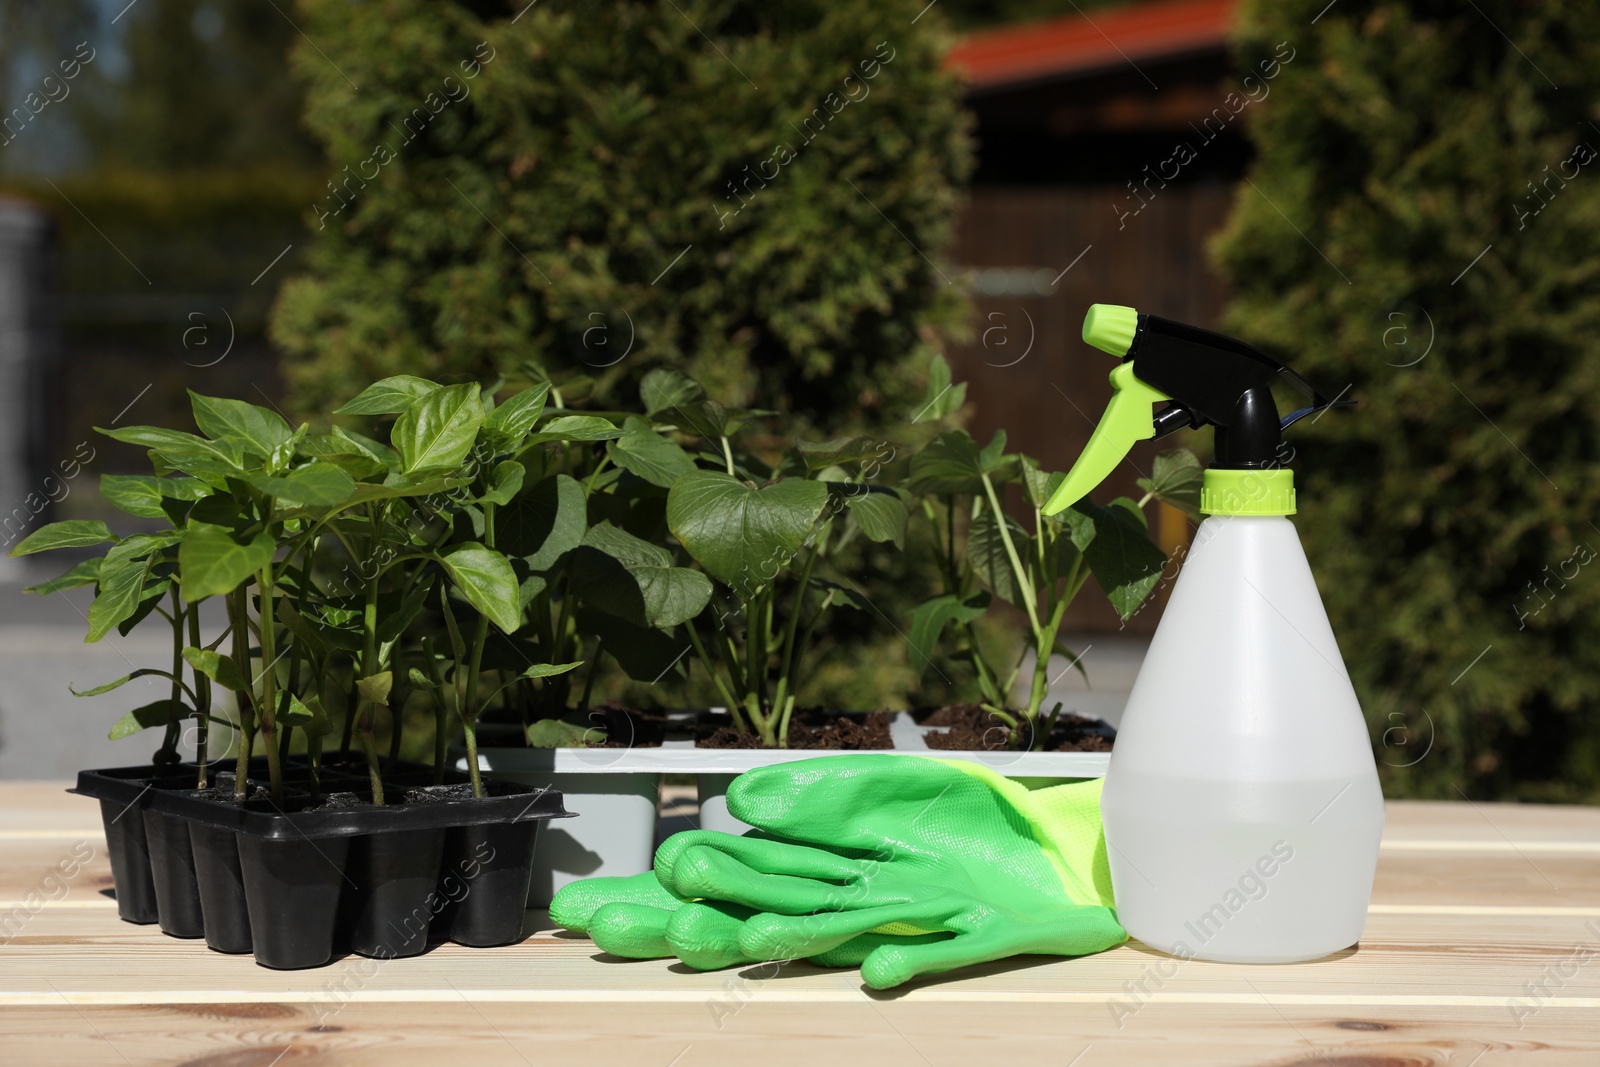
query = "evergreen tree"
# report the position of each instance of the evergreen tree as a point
(1441, 164)
(755, 192)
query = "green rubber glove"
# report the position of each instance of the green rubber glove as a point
(903, 865)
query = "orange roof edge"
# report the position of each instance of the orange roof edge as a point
(1084, 42)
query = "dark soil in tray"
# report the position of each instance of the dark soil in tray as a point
(971, 729)
(809, 728)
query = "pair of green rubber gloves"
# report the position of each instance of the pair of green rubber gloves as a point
(901, 865)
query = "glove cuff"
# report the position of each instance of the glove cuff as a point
(1065, 821)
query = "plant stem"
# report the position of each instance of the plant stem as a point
(202, 690)
(787, 663)
(1041, 665)
(469, 730)
(727, 456)
(469, 709)
(755, 671)
(987, 684)
(588, 685)
(1024, 582)
(440, 711)
(705, 660)
(268, 679)
(168, 753)
(238, 606)
(369, 667)
(401, 684)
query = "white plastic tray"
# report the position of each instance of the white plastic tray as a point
(682, 757)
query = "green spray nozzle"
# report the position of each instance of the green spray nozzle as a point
(1208, 379)
(1129, 419)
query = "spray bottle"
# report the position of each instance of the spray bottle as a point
(1242, 808)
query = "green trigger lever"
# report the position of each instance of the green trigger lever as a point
(1129, 419)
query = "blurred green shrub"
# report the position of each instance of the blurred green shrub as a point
(1447, 198)
(754, 193)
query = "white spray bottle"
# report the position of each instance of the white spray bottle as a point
(1242, 808)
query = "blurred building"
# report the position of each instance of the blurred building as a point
(1083, 195)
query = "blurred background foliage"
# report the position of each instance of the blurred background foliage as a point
(1450, 516)
(545, 200)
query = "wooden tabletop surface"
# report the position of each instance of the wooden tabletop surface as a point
(1482, 948)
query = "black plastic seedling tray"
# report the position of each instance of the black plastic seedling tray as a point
(325, 871)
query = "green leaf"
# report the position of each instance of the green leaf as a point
(419, 680)
(375, 688)
(79, 574)
(307, 715)
(843, 450)
(953, 464)
(743, 536)
(665, 388)
(350, 456)
(182, 450)
(304, 630)
(1038, 484)
(1117, 548)
(550, 670)
(438, 429)
(218, 667)
(941, 397)
(73, 533)
(575, 428)
(543, 524)
(704, 417)
(553, 733)
(509, 423)
(317, 484)
(394, 618)
(486, 579)
(256, 429)
(212, 563)
(159, 713)
(882, 516)
(643, 652)
(119, 682)
(403, 486)
(143, 494)
(986, 554)
(930, 618)
(832, 593)
(617, 572)
(121, 586)
(1176, 479)
(505, 482)
(391, 396)
(651, 456)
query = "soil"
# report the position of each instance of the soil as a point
(973, 729)
(809, 728)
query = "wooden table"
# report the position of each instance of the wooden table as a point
(1482, 948)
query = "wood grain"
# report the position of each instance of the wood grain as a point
(1480, 948)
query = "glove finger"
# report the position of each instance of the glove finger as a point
(1078, 932)
(706, 872)
(636, 931)
(791, 937)
(857, 949)
(575, 904)
(705, 935)
(760, 852)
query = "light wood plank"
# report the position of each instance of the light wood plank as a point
(888, 1033)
